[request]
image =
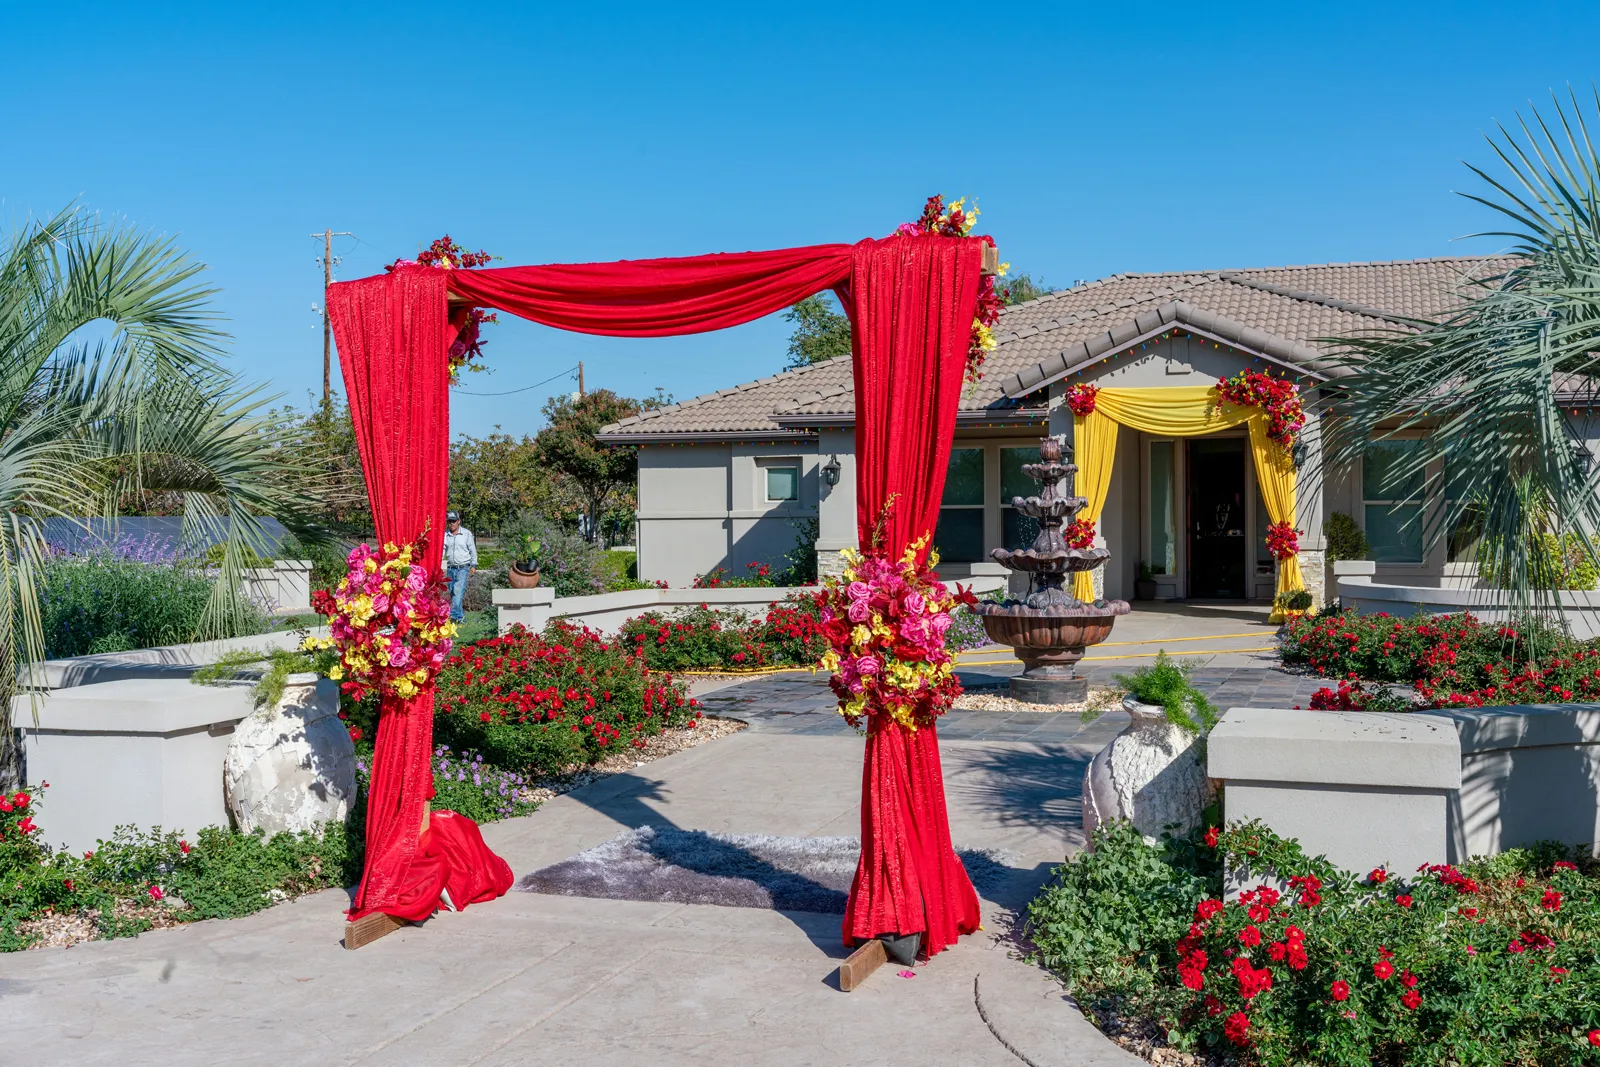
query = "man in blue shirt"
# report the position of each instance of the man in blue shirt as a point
(460, 560)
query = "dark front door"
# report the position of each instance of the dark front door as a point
(1216, 517)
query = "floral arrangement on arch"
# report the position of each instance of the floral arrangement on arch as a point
(468, 345)
(389, 619)
(1079, 533)
(885, 622)
(1279, 398)
(954, 220)
(1283, 540)
(1081, 398)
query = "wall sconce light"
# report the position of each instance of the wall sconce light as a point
(830, 471)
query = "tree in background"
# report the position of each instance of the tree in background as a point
(821, 331)
(496, 477)
(320, 445)
(600, 475)
(1020, 288)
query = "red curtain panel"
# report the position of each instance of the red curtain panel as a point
(912, 301)
(393, 351)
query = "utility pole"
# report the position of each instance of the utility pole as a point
(580, 378)
(327, 324)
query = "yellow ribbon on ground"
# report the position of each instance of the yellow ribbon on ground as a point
(1186, 411)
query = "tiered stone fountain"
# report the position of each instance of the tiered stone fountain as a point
(1050, 628)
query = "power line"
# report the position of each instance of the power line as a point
(524, 389)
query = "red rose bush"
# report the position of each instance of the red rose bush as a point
(1493, 961)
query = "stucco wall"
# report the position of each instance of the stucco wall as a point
(704, 506)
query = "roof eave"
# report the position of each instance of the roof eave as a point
(701, 436)
(1290, 355)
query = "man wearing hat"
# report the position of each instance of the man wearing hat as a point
(460, 560)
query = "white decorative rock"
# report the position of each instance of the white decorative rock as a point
(1151, 774)
(292, 766)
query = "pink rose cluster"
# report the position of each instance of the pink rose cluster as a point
(885, 623)
(389, 619)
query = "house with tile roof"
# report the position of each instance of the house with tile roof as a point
(735, 476)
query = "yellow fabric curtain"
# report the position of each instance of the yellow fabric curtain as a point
(1187, 411)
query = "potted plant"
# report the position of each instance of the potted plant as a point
(1153, 773)
(524, 570)
(1144, 587)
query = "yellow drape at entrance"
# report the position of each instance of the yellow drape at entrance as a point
(1187, 411)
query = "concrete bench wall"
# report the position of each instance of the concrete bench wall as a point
(1369, 789)
(146, 752)
(606, 612)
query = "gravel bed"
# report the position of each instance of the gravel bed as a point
(1099, 697)
(1144, 1038)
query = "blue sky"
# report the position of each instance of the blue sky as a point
(1098, 138)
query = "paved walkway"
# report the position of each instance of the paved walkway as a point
(536, 980)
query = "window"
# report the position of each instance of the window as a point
(1391, 491)
(1264, 559)
(783, 483)
(1163, 508)
(960, 533)
(1467, 528)
(1016, 529)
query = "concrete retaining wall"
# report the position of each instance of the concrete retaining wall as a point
(1360, 592)
(1369, 789)
(146, 752)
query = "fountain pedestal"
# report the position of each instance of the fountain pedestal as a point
(1050, 629)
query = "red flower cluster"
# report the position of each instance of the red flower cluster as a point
(1081, 398)
(938, 220)
(1079, 533)
(1278, 397)
(444, 252)
(1283, 540)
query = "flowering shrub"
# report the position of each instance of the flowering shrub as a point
(1081, 398)
(708, 639)
(885, 623)
(1283, 540)
(389, 619)
(955, 220)
(1353, 696)
(1489, 962)
(1451, 660)
(1279, 398)
(701, 638)
(122, 883)
(757, 575)
(482, 792)
(542, 703)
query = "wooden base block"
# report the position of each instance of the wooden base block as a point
(862, 962)
(369, 928)
(991, 260)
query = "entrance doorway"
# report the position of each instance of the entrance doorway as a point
(1217, 542)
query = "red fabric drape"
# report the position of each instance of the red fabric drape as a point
(657, 297)
(393, 351)
(914, 304)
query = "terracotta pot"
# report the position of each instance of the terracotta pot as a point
(521, 579)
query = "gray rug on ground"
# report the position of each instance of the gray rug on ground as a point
(734, 870)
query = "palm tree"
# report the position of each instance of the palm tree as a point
(1484, 382)
(111, 389)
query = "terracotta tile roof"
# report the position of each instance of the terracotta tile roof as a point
(1279, 312)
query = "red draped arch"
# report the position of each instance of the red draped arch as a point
(911, 301)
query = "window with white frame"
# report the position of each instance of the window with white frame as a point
(959, 536)
(782, 481)
(1391, 498)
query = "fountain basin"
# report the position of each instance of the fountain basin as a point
(1052, 561)
(1050, 642)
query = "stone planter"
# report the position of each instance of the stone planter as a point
(291, 767)
(523, 579)
(1152, 774)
